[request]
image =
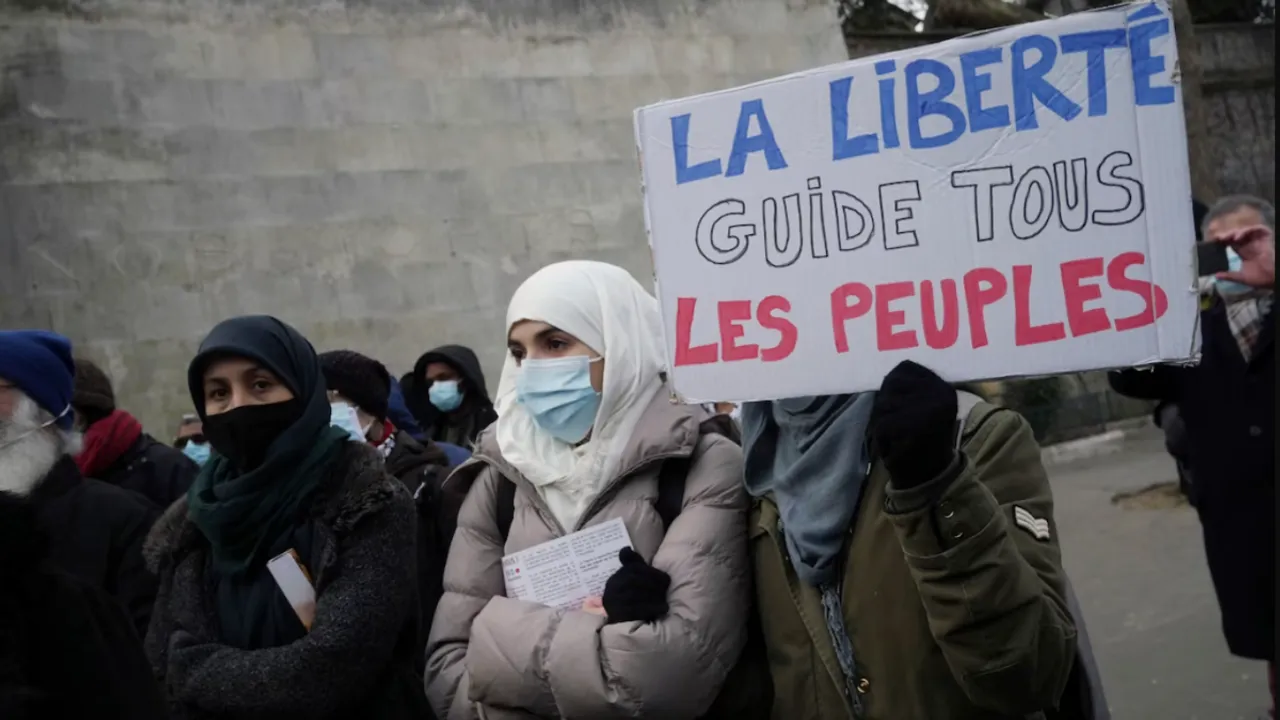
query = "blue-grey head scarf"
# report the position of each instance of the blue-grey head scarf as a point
(811, 453)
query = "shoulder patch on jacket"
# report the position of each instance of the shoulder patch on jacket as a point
(1038, 527)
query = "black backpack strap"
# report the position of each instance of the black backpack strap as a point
(506, 507)
(671, 479)
(675, 470)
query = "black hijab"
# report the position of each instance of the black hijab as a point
(249, 516)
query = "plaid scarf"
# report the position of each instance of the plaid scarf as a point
(1245, 314)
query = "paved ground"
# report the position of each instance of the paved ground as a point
(1141, 577)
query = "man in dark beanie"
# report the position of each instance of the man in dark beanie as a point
(95, 530)
(358, 390)
(117, 451)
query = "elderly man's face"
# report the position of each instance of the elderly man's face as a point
(1240, 218)
(29, 448)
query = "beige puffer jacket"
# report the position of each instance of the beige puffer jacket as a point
(489, 654)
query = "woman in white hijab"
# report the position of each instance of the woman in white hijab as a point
(586, 429)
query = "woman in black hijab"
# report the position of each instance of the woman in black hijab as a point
(281, 480)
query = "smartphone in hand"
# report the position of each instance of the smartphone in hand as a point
(1211, 258)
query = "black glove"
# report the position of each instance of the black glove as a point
(636, 591)
(913, 423)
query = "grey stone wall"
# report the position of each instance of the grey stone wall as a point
(381, 174)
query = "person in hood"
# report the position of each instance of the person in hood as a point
(95, 530)
(67, 650)
(449, 396)
(282, 483)
(905, 570)
(586, 425)
(116, 450)
(1227, 403)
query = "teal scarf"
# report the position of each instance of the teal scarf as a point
(243, 514)
(250, 515)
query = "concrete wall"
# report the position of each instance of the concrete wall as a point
(382, 174)
(1239, 64)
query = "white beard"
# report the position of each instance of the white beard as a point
(27, 451)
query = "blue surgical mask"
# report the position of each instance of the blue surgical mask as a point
(343, 417)
(558, 394)
(445, 395)
(1230, 287)
(198, 452)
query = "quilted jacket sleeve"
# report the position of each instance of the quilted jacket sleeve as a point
(672, 668)
(551, 662)
(985, 558)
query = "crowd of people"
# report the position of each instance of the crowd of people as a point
(890, 555)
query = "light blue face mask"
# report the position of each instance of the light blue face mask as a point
(343, 417)
(445, 395)
(198, 452)
(558, 394)
(1231, 287)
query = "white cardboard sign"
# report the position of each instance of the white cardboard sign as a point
(1012, 203)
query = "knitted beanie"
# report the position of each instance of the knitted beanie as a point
(39, 364)
(360, 379)
(94, 397)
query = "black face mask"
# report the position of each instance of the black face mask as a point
(243, 435)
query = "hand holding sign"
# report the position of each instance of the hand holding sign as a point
(914, 421)
(1256, 247)
(1011, 204)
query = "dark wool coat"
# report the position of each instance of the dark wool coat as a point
(159, 472)
(357, 660)
(67, 650)
(96, 531)
(1228, 406)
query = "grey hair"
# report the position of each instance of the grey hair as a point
(70, 442)
(1232, 203)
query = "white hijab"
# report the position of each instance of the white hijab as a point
(605, 308)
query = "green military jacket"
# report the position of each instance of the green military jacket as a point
(956, 610)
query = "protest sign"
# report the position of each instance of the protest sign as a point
(1011, 203)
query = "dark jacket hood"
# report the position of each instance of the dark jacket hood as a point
(398, 411)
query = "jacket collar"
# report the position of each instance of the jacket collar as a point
(356, 487)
